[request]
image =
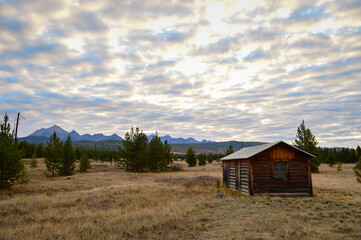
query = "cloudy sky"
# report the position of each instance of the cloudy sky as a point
(219, 70)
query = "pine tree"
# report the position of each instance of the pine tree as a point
(67, 162)
(156, 153)
(33, 161)
(210, 158)
(23, 175)
(191, 157)
(134, 150)
(84, 162)
(53, 155)
(10, 156)
(229, 150)
(357, 170)
(202, 159)
(168, 155)
(306, 141)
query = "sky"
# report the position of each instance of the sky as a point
(218, 70)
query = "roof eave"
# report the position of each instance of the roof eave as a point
(233, 159)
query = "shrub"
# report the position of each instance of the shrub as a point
(339, 166)
(33, 161)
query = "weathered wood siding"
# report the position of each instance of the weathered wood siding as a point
(298, 181)
(243, 176)
(232, 175)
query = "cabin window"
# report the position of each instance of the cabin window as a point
(280, 170)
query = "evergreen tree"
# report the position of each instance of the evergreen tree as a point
(191, 157)
(67, 163)
(160, 155)
(210, 158)
(202, 159)
(168, 155)
(23, 175)
(229, 150)
(306, 141)
(84, 162)
(156, 153)
(357, 170)
(33, 161)
(11, 166)
(134, 150)
(53, 155)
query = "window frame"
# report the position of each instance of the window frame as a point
(286, 169)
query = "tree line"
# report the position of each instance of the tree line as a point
(192, 158)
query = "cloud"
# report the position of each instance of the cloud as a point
(216, 70)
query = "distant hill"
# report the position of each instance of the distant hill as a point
(62, 134)
(213, 147)
(34, 139)
(179, 140)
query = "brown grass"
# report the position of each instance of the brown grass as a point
(107, 203)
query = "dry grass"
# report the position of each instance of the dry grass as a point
(106, 203)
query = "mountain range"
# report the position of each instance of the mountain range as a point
(43, 133)
(179, 140)
(62, 134)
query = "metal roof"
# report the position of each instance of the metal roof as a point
(248, 152)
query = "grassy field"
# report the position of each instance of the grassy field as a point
(107, 203)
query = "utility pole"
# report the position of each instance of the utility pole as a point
(16, 129)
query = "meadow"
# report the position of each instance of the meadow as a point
(108, 203)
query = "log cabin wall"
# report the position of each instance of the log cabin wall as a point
(298, 180)
(243, 176)
(232, 175)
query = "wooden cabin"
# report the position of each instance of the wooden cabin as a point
(273, 169)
